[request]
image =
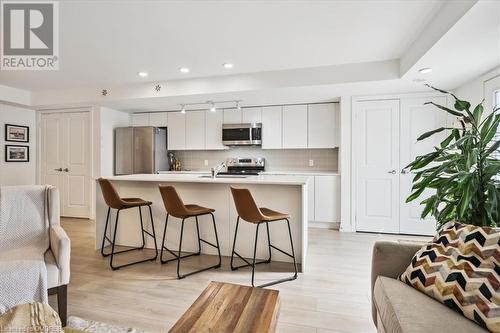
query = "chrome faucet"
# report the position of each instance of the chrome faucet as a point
(217, 169)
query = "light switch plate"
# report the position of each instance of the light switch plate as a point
(206, 162)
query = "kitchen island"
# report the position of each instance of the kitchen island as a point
(283, 193)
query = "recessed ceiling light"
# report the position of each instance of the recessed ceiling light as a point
(228, 65)
(184, 70)
(142, 74)
(425, 70)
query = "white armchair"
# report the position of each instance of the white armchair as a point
(57, 259)
(24, 238)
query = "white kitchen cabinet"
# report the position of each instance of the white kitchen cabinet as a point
(251, 115)
(323, 127)
(327, 198)
(294, 126)
(195, 130)
(158, 119)
(176, 131)
(232, 116)
(139, 119)
(272, 127)
(310, 199)
(213, 130)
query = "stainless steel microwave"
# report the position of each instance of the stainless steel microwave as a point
(249, 134)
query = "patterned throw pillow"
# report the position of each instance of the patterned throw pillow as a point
(460, 268)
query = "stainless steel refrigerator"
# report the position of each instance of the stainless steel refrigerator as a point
(140, 150)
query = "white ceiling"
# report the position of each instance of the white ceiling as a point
(105, 43)
(283, 51)
(470, 48)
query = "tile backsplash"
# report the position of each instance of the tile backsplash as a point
(276, 160)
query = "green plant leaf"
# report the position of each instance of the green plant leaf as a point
(478, 112)
(453, 112)
(428, 134)
(493, 148)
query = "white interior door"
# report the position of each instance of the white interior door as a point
(76, 170)
(65, 159)
(377, 165)
(51, 154)
(416, 119)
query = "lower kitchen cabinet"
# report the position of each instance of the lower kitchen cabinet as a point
(327, 199)
(324, 199)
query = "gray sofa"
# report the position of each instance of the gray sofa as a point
(397, 307)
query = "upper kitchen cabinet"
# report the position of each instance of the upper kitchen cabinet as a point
(139, 119)
(295, 126)
(195, 130)
(176, 131)
(251, 115)
(232, 116)
(272, 127)
(158, 119)
(323, 125)
(213, 130)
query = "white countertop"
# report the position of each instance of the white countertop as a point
(197, 178)
(278, 172)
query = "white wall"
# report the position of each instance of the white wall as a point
(481, 87)
(109, 120)
(18, 173)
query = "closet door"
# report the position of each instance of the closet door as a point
(75, 196)
(66, 161)
(376, 136)
(51, 152)
(416, 119)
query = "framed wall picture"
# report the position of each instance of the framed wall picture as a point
(17, 153)
(17, 133)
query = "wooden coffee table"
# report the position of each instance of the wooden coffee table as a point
(226, 307)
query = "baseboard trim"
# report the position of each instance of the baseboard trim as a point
(324, 225)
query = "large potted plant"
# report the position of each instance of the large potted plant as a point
(462, 171)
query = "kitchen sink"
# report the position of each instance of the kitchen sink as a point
(225, 176)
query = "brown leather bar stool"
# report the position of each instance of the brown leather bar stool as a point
(114, 201)
(176, 208)
(247, 210)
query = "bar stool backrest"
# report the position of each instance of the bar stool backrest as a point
(245, 205)
(172, 201)
(110, 194)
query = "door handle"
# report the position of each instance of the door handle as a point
(393, 172)
(66, 170)
(403, 171)
(59, 169)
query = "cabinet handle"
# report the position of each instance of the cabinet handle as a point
(66, 170)
(393, 172)
(59, 169)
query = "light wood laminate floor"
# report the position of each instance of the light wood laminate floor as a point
(332, 296)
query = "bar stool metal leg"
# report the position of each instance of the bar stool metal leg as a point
(247, 263)
(113, 242)
(178, 256)
(216, 240)
(255, 262)
(172, 252)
